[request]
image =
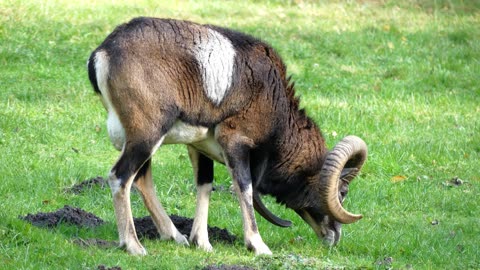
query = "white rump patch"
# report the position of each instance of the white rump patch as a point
(102, 68)
(115, 129)
(216, 58)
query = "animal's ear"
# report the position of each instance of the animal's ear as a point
(343, 189)
(348, 174)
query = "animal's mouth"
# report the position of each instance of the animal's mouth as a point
(327, 229)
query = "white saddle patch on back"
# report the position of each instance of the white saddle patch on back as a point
(215, 56)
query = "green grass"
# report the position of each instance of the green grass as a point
(403, 75)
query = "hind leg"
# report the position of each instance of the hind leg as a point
(121, 177)
(163, 223)
(203, 171)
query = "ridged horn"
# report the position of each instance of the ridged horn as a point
(265, 213)
(347, 156)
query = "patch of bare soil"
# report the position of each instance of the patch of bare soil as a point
(146, 229)
(227, 267)
(144, 226)
(67, 214)
(87, 184)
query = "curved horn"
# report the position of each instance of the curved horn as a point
(264, 212)
(351, 152)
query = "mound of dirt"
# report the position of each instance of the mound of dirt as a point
(144, 226)
(67, 214)
(87, 184)
(146, 229)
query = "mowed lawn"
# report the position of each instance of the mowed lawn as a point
(402, 75)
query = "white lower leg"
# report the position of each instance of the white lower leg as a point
(162, 221)
(199, 233)
(253, 240)
(123, 213)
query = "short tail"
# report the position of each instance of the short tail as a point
(92, 73)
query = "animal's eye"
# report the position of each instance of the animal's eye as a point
(343, 192)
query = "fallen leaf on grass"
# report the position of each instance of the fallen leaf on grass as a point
(398, 178)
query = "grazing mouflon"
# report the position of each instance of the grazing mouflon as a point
(227, 97)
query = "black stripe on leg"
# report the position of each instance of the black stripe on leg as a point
(131, 161)
(205, 170)
(143, 170)
(251, 214)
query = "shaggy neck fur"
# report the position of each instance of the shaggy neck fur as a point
(299, 154)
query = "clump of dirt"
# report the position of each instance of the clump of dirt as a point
(227, 267)
(454, 182)
(146, 229)
(387, 261)
(87, 184)
(67, 214)
(144, 226)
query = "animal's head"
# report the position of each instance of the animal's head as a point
(320, 203)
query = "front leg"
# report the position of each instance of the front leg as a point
(237, 154)
(253, 240)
